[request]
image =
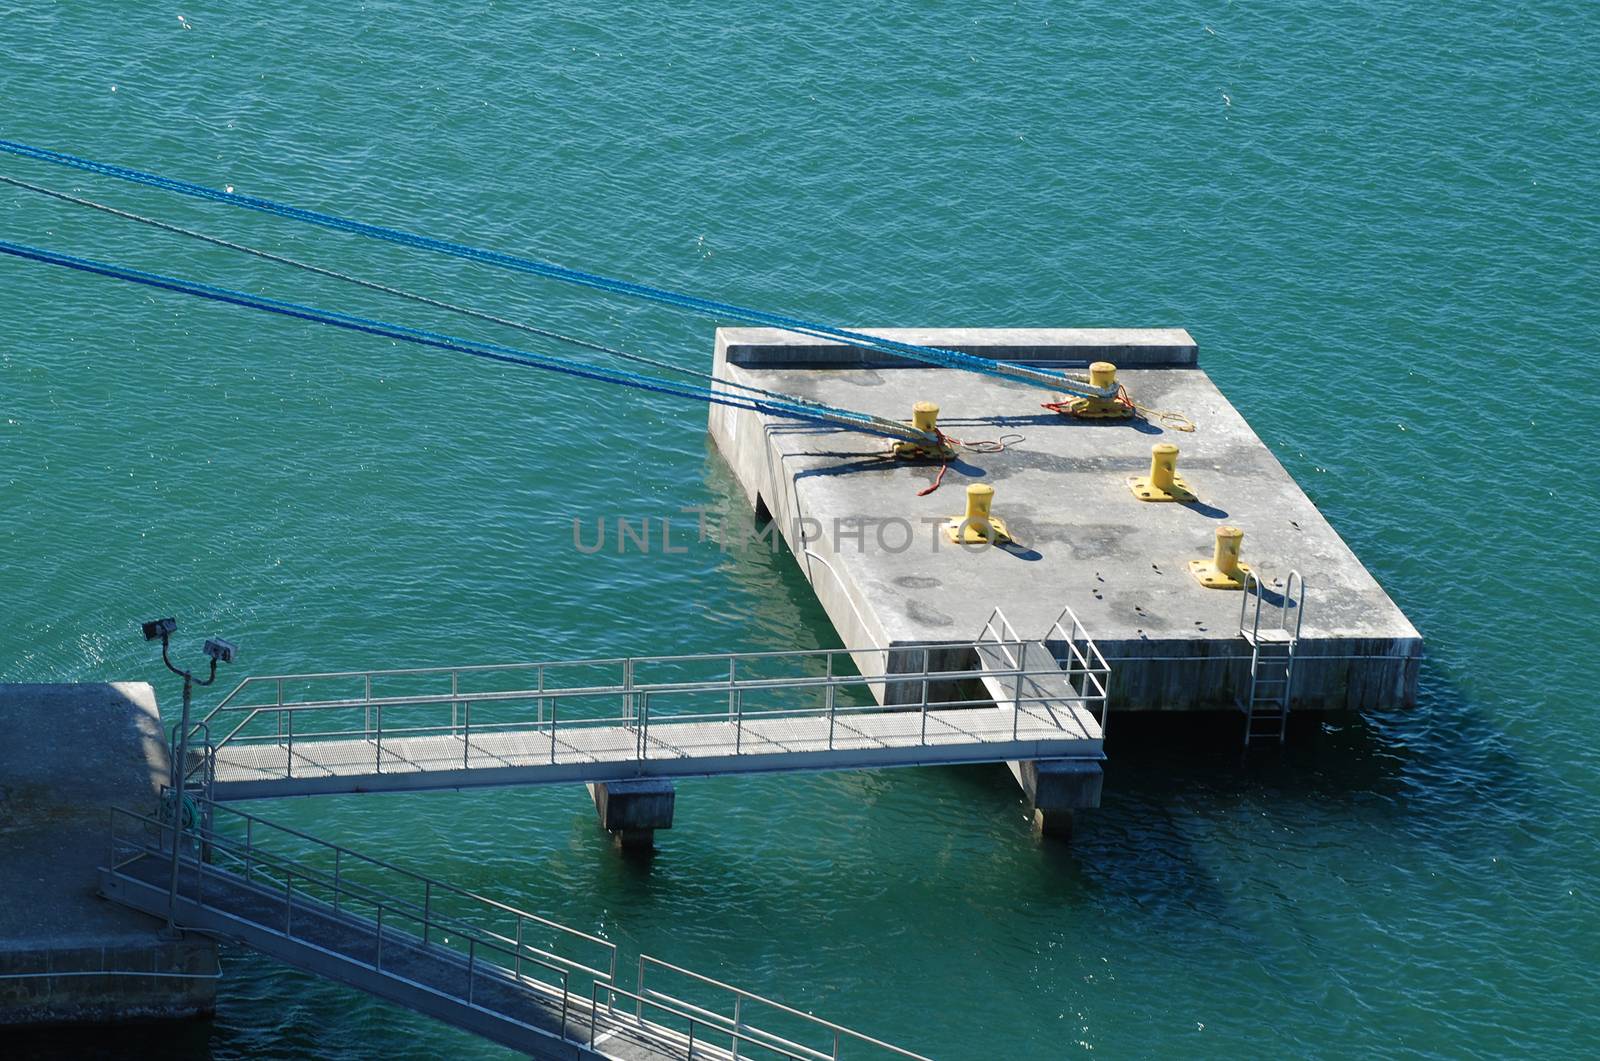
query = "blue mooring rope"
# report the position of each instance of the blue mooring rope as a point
(412, 296)
(689, 303)
(830, 416)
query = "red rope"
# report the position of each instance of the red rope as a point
(1062, 406)
(982, 445)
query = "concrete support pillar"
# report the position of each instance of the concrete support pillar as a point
(1056, 789)
(634, 810)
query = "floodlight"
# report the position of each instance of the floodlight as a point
(220, 650)
(158, 628)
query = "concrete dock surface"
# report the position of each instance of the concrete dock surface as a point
(66, 954)
(872, 548)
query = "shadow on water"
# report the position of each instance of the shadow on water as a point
(1180, 790)
(1436, 777)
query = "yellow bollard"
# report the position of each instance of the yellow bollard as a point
(925, 418)
(1225, 554)
(1224, 570)
(1163, 483)
(1101, 374)
(977, 526)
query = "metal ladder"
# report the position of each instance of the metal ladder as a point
(1272, 656)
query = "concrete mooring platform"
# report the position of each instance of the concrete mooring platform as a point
(874, 551)
(68, 956)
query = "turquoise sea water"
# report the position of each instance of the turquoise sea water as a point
(1380, 220)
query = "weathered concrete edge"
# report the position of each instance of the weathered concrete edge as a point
(108, 984)
(1124, 347)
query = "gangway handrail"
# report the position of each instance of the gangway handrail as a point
(1004, 633)
(255, 860)
(474, 960)
(593, 692)
(626, 688)
(628, 663)
(660, 1031)
(638, 698)
(1090, 665)
(478, 668)
(646, 961)
(430, 884)
(586, 691)
(475, 936)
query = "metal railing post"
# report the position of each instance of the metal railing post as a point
(923, 738)
(472, 966)
(366, 704)
(566, 990)
(554, 705)
(1016, 699)
(738, 720)
(455, 687)
(427, 909)
(466, 734)
(288, 766)
(249, 847)
(644, 725)
(516, 967)
(337, 887)
(738, 1025)
(627, 688)
(1022, 666)
(832, 709)
(379, 962)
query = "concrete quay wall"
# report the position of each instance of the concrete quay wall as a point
(67, 955)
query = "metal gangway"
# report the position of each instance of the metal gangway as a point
(1074, 671)
(998, 698)
(512, 976)
(1273, 649)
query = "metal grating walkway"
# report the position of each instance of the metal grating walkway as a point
(996, 699)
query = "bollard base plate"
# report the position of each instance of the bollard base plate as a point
(963, 531)
(1211, 577)
(1145, 490)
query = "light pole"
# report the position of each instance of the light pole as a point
(219, 651)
